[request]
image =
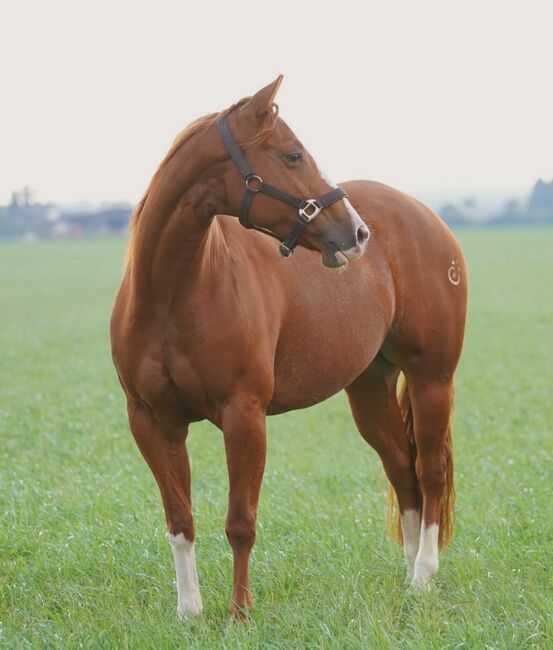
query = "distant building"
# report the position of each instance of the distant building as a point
(25, 219)
(109, 221)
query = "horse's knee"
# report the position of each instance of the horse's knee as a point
(240, 530)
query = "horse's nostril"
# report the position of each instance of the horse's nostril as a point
(362, 235)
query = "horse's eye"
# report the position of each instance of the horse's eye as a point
(294, 157)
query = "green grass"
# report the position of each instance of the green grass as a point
(83, 557)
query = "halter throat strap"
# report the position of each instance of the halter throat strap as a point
(308, 209)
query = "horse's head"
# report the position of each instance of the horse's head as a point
(265, 148)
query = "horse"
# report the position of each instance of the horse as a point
(214, 321)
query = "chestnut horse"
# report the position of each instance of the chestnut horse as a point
(210, 322)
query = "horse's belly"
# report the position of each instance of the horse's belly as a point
(312, 369)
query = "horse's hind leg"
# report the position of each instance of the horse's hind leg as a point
(164, 448)
(432, 401)
(377, 414)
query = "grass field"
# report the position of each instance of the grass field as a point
(83, 557)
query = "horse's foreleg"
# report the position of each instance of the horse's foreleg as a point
(376, 412)
(243, 425)
(164, 448)
(432, 405)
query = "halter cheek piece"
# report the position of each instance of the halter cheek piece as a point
(308, 209)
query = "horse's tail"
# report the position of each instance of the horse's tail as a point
(448, 498)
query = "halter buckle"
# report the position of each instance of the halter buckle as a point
(310, 210)
(258, 180)
(284, 250)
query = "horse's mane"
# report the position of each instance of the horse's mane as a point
(202, 123)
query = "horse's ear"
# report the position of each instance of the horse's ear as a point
(262, 101)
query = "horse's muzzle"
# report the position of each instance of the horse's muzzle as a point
(335, 256)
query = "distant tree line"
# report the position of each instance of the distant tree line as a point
(24, 218)
(538, 208)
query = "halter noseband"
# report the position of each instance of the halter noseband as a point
(308, 209)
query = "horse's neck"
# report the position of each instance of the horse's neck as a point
(170, 243)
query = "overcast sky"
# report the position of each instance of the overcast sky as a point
(420, 95)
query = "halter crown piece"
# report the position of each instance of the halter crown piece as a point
(308, 209)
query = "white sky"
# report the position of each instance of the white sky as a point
(421, 95)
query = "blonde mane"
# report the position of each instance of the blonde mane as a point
(198, 125)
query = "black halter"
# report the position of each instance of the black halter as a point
(308, 208)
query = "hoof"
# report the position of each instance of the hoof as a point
(421, 582)
(191, 608)
(424, 570)
(418, 587)
(243, 611)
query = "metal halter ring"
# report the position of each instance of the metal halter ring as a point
(313, 205)
(256, 178)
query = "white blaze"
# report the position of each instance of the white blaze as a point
(356, 220)
(189, 599)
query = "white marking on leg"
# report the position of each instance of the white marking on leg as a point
(411, 528)
(189, 599)
(426, 562)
